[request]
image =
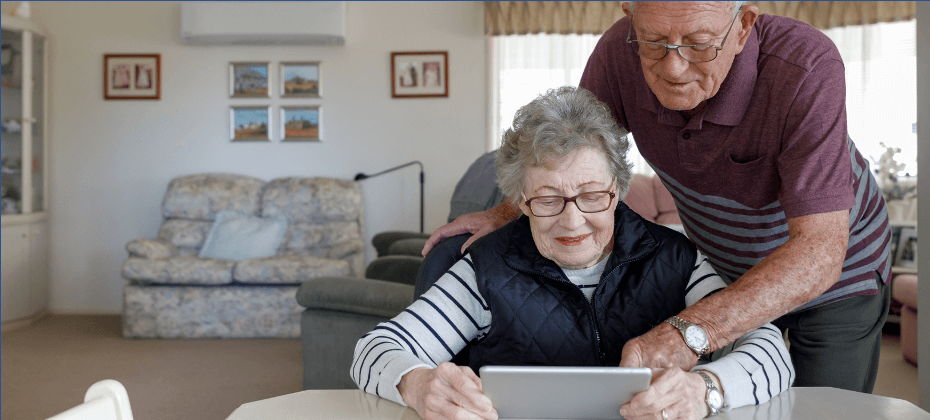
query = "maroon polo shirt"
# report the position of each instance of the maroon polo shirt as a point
(769, 146)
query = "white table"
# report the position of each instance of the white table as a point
(794, 404)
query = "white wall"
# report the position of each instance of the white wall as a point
(923, 192)
(111, 160)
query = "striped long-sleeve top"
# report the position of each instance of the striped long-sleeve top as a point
(452, 313)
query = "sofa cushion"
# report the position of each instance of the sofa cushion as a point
(151, 249)
(179, 270)
(904, 289)
(312, 200)
(237, 237)
(185, 233)
(302, 236)
(203, 196)
(287, 269)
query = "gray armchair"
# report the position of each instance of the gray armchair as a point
(339, 310)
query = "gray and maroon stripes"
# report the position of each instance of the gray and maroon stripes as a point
(735, 237)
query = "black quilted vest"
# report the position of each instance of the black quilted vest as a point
(540, 318)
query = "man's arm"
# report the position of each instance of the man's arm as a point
(796, 272)
(479, 224)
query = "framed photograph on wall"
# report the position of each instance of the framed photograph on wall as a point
(249, 80)
(420, 74)
(300, 123)
(300, 80)
(906, 252)
(250, 123)
(132, 76)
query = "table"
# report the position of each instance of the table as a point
(793, 404)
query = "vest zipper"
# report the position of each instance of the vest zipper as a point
(602, 358)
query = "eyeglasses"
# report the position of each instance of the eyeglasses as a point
(553, 205)
(698, 53)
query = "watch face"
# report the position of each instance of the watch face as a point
(714, 399)
(695, 337)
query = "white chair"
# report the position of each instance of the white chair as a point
(105, 400)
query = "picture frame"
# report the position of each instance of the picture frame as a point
(423, 74)
(300, 79)
(249, 79)
(301, 123)
(132, 76)
(906, 252)
(250, 123)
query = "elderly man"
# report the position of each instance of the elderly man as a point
(743, 118)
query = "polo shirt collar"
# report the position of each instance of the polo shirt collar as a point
(736, 91)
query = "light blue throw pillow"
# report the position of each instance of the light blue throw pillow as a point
(237, 237)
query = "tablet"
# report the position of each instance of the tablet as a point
(539, 392)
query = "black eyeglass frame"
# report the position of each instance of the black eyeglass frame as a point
(566, 200)
(676, 47)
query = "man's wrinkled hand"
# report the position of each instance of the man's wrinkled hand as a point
(661, 347)
(446, 392)
(478, 224)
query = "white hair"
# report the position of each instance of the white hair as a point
(736, 6)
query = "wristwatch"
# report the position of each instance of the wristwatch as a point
(714, 398)
(692, 333)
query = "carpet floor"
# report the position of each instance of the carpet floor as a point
(47, 367)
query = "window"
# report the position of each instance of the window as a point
(881, 83)
(881, 88)
(525, 66)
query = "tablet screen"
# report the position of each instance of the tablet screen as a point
(538, 392)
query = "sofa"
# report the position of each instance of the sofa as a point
(263, 239)
(343, 309)
(904, 291)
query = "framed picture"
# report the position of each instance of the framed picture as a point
(420, 74)
(132, 76)
(249, 80)
(250, 123)
(906, 252)
(300, 123)
(300, 80)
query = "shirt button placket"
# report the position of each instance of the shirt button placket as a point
(686, 147)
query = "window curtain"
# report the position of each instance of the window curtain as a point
(594, 17)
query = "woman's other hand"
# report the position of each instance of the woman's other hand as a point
(446, 392)
(681, 394)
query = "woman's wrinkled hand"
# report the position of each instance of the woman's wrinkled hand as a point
(681, 394)
(446, 392)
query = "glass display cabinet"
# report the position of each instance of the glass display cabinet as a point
(23, 173)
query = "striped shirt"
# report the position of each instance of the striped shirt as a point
(453, 313)
(771, 145)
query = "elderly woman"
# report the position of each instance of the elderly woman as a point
(566, 284)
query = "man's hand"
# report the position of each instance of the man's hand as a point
(661, 347)
(680, 394)
(479, 224)
(446, 392)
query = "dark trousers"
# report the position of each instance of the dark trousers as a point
(837, 345)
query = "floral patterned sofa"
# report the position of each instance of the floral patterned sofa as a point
(174, 293)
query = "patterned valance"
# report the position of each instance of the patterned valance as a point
(594, 17)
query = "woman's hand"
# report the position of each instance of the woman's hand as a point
(681, 394)
(446, 392)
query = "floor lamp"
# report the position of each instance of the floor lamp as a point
(360, 176)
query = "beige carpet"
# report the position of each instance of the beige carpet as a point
(47, 368)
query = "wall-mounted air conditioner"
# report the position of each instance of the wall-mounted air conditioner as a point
(263, 23)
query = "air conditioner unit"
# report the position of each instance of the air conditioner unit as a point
(263, 23)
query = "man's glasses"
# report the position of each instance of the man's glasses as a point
(693, 53)
(553, 205)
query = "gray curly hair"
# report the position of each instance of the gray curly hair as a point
(553, 126)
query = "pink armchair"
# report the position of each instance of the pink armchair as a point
(904, 290)
(650, 199)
